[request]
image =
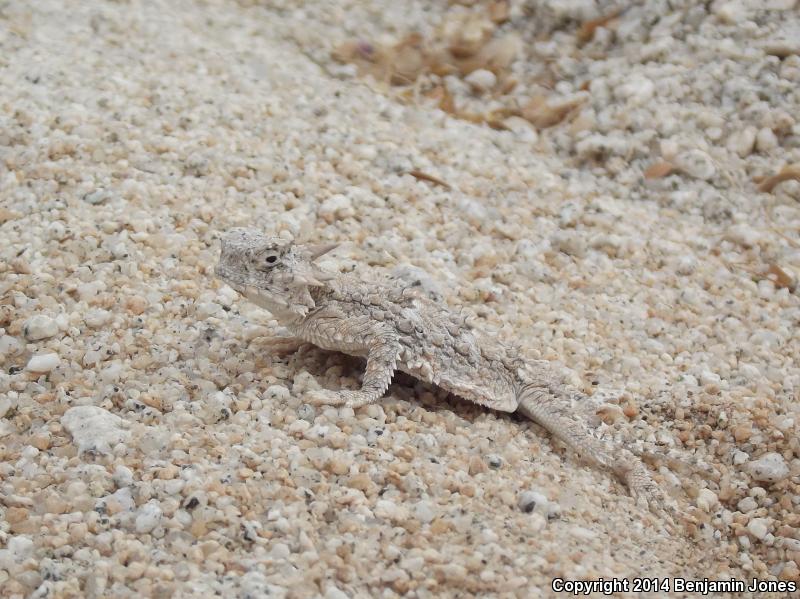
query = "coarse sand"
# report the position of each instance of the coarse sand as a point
(613, 211)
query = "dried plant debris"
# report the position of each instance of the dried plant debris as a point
(546, 111)
(780, 278)
(659, 169)
(429, 178)
(404, 62)
(587, 30)
(467, 45)
(787, 173)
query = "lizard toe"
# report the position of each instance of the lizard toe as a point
(323, 397)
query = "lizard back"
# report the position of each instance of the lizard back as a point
(437, 344)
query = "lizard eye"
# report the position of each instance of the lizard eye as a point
(267, 260)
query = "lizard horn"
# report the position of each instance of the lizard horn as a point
(320, 249)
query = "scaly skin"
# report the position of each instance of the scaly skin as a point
(395, 329)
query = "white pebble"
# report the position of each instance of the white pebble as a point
(730, 13)
(94, 429)
(743, 234)
(43, 363)
(569, 242)
(746, 505)
(744, 541)
(481, 80)
(696, 163)
(96, 317)
(123, 476)
(707, 500)
(39, 327)
(790, 544)
(766, 140)
(758, 528)
(206, 309)
(530, 501)
(277, 392)
(336, 207)
(389, 510)
(334, 593)
(19, 548)
(637, 90)
(770, 467)
(424, 511)
(740, 457)
(742, 141)
(97, 197)
(9, 346)
(148, 517)
(280, 551)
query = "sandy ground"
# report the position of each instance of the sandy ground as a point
(152, 446)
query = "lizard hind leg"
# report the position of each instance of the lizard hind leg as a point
(553, 410)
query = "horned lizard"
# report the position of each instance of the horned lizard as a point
(397, 330)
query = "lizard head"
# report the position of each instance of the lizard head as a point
(272, 272)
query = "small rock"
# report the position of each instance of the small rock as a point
(637, 90)
(123, 476)
(697, 164)
(336, 207)
(530, 501)
(758, 528)
(610, 413)
(43, 363)
(743, 234)
(569, 242)
(96, 317)
(94, 429)
(770, 467)
(744, 542)
(481, 80)
(306, 412)
(495, 461)
(740, 457)
(148, 517)
(5, 405)
(707, 500)
(39, 327)
(280, 551)
(277, 392)
(742, 141)
(781, 47)
(731, 13)
(206, 309)
(766, 140)
(19, 548)
(389, 510)
(334, 593)
(790, 544)
(97, 197)
(746, 505)
(414, 276)
(424, 511)
(709, 378)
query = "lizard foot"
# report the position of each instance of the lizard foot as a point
(349, 399)
(282, 346)
(323, 397)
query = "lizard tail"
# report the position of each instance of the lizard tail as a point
(553, 411)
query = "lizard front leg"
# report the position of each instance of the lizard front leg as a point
(282, 343)
(359, 334)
